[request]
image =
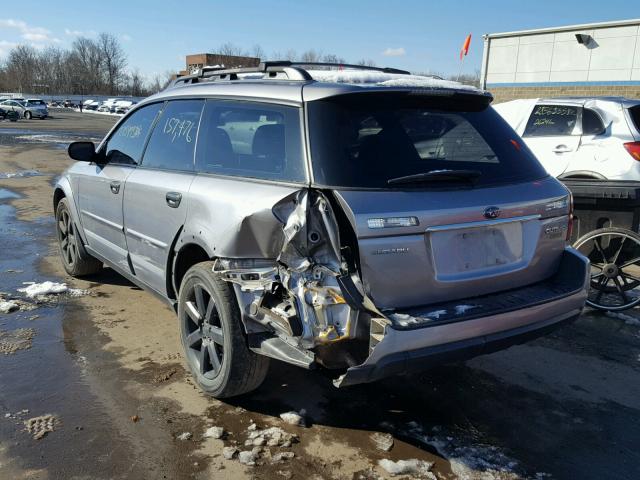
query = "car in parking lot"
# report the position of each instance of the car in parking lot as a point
(580, 137)
(36, 107)
(365, 221)
(28, 108)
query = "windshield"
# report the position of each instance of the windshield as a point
(365, 140)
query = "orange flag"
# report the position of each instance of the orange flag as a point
(465, 46)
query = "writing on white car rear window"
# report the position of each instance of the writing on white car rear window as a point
(551, 120)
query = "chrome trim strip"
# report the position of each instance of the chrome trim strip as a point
(484, 223)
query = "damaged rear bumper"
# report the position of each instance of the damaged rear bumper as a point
(403, 350)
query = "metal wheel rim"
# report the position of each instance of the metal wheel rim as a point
(67, 237)
(203, 332)
(603, 287)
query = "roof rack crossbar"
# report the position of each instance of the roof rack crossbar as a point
(286, 63)
(293, 70)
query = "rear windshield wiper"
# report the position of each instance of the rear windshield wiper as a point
(437, 176)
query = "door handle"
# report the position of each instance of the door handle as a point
(173, 199)
(562, 149)
(115, 187)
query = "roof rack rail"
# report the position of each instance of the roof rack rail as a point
(293, 70)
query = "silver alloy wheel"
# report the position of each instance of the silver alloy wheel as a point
(203, 331)
(28, 115)
(67, 238)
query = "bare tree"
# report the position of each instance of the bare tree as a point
(258, 52)
(311, 56)
(113, 58)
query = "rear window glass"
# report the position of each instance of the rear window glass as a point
(635, 116)
(35, 102)
(251, 139)
(362, 142)
(551, 120)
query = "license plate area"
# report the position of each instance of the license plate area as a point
(465, 253)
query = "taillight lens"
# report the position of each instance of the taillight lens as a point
(634, 149)
(570, 223)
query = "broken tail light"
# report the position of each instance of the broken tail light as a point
(634, 149)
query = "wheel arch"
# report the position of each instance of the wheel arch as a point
(185, 253)
(62, 190)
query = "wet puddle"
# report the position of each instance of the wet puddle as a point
(40, 372)
(55, 139)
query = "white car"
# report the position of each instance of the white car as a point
(580, 137)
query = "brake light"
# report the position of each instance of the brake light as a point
(634, 149)
(570, 222)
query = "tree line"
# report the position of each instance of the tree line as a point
(98, 66)
(90, 65)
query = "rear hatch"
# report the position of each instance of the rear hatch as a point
(446, 201)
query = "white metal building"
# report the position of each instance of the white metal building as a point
(596, 58)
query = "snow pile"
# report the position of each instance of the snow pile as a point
(407, 467)
(214, 432)
(628, 319)
(8, 306)
(294, 418)
(35, 290)
(272, 437)
(371, 77)
(468, 462)
(45, 288)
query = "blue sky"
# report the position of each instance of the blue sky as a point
(419, 35)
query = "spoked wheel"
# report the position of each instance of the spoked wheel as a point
(615, 268)
(75, 259)
(204, 335)
(213, 337)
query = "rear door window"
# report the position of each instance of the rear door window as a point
(251, 139)
(551, 121)
(173, 139)
(591, 123)
(126, 144)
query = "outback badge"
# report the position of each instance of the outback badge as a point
(491, 212)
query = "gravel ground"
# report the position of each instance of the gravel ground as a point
(92, 383)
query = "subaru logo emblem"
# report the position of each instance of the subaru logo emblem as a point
(491, 212)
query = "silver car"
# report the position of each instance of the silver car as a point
(367, 222)
(26, 108)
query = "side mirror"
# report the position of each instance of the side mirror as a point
(82, 151)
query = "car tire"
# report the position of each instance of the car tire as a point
(28, 115)
(213, 338)
(75, 259)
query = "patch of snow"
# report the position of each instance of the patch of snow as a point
(370, 77)
(8, 306)
(382, 441)
(436, 314)
(247, 457)
(45, 288)
(33, 289)
(294, 418)
(184, 436)
(214, 432)
(460, 309)
(406, 467)
(229, 452)
(468, 462)
(628, 319)
(21, 173)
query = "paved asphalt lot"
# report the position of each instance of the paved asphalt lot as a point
(106, 365)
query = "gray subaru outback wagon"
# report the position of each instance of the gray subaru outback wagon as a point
(364, 221)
